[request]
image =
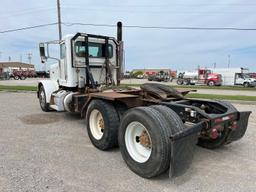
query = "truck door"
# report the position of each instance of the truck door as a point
(63, 63)
(201, 76)
(239, 79)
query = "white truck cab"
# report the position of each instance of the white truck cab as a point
(245, 80)
(86, 61)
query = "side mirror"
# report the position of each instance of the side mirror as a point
(42, 52)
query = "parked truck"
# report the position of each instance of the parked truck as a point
(161, 76)
(201, 76)
(236, 76)
(155, 126)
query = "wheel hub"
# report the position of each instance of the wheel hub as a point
(101, 124)
(144, 139)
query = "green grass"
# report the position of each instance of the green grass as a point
(17, 88)
(222, 97)
(191, 95)
(205, 87)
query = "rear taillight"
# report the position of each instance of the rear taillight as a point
(222, 119)
(234, 125)
(214, 133)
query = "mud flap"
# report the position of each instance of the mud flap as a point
(183, 145)
(240, 130)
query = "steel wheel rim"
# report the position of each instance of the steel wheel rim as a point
(42, 98)
(96, 124)
(136, 150)
(211, 83)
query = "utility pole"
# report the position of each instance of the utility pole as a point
(59, 19)
(214, 65)
(29, 57)
(10, 58)
(228, 61)
(21, 58)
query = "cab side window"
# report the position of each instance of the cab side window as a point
(62, 51)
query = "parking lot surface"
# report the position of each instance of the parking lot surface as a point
(52, 152)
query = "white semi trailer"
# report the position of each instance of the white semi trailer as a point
(155, 127)
(235, 76)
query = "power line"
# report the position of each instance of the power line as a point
(135, 27)
(27, 28)
(160, 11)
(26, 11)
(165, 27)
(171, 5)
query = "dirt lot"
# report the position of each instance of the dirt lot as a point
(52, 152)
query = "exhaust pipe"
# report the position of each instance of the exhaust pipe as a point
(119, 31)
(120, 52)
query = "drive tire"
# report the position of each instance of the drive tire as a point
(22, 77)
(42, 99)
(186, 82)
(175, 123)
(158, 130)
(108, 138)
(16, 77)
(180, 82)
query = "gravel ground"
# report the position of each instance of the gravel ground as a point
(52, 152)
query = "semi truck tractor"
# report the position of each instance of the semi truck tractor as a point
(201, 76)
(160, 77)
(156, 127)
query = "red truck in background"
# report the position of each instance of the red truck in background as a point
(21, 74)
(201, 76)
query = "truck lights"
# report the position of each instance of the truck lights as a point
(222, 119)
(234, 125)
(214, 133)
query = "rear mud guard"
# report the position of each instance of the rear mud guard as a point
(183, 145)
(239, 131)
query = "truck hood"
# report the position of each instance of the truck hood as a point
(251, 79)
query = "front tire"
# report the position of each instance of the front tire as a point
(211, 83)
(42, 99)
(102, 124)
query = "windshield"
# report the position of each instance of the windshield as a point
(96, 50)
(246, 76)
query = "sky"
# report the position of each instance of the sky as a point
(144, 48)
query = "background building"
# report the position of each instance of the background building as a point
(11, 66)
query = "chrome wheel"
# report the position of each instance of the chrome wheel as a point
(42, 98)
